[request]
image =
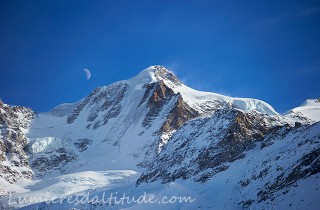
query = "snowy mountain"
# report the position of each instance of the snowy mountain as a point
(153, 134)
(308, 111)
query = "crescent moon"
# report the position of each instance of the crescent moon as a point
(88, 73)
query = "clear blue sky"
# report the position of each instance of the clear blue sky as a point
(268, 50)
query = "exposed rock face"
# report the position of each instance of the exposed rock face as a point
(180, 114)
(163, 74)
(209, 145)
(107, 100)
(73, 116)
(158, 94)
(14, 163)
(82, 144)
(248, 127)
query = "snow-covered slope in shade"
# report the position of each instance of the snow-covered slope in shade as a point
(309, 110)
(63, 109)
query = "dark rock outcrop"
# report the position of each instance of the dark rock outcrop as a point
(13, 119)
(105, 100)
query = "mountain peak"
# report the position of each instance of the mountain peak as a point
(311, 102)
(310, 109)
(154, 74)
(195, 99)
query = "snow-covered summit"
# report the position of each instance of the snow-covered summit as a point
(311, 102)
(310, 109)
(153, 74)
(194, 98)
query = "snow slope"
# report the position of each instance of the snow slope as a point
(309, 110)
(273, 176)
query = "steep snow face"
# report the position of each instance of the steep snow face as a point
(146, 76)
(63, 109)
(309, 110)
